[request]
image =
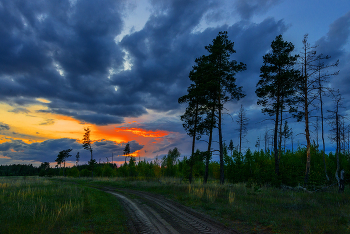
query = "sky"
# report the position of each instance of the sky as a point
(119, 67)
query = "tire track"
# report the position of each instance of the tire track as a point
(151, 213)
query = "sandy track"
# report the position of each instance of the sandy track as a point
(151, 213)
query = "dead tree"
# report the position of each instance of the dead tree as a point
(335, 121)
(242, 121)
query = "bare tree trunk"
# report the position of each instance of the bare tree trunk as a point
(222, 170)
(306, 112)
(292, 140)
(307, 132)
(193, 142)
(209, 147)
(266, 140)
(348, 129)
(240, 136)
(316, 130)
(338, 143)
(323, 141)
(281, 134)
(275, 145)
(92, 165)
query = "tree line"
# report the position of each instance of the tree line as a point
(255, 168)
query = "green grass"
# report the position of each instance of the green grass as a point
(66, 205)
(252, 209)
(39, 205)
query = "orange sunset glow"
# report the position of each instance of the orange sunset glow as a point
(31, 125)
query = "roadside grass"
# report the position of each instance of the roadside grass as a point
(251, 209)
(40, 205)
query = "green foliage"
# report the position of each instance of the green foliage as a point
(85, 173)
(258, 167)
(73, 172)
(278, 79)
(92, 163)
(132, 167)
(18, 170)
(169, 162)
(108, 171)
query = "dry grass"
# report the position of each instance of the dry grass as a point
(255, 209)
(39, 205)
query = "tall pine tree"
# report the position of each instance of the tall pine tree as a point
(277, 85)
(222, 81)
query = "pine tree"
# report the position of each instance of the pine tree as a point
(62, 157)
(277, 85)
(126, 151)
(87, 144)
(197, 100)
(214, 82)
(223, 82)
(77, 157)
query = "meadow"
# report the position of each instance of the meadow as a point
(74, 205)
(250, 208)
(40, 205)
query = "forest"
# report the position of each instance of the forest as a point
(290, 86)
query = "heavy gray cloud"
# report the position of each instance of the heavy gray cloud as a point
(248, 8)
(63, 51)
(48, 150)
(337, 37)
(336, 45)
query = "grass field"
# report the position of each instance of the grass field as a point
(66, 205)
(253, 209)
(39, 205)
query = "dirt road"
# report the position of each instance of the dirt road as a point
(150, 213)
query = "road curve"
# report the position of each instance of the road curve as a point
(152, 213)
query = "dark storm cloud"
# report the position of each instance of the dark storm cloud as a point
(337, 37)
(160, 76)
(106, 147)
(248, 8)
(336, 45)
(40, 151)
(171, 124)
(98, 119)
(60, 50)
(252, 41)
(63, 51)
(162, 53)
(48, 150)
